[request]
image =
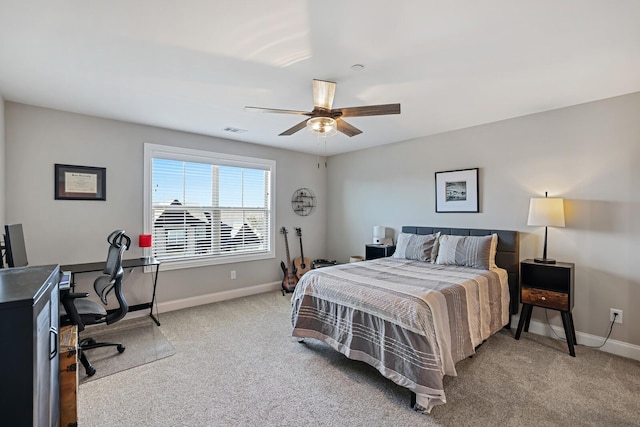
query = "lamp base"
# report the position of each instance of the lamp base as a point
(544, 260)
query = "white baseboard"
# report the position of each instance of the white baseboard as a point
(165, 307)
(619, 348)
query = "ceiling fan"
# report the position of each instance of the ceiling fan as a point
(326, 120)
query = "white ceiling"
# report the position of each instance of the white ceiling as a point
(193, 65)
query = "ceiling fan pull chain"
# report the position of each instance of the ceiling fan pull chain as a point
(325, 153)
(318, 141)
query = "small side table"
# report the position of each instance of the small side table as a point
(373, 251)
(549, 286)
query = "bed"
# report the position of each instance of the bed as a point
(415, 314)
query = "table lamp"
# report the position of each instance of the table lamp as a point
(144, 241)
(379, 233)
(546, 212)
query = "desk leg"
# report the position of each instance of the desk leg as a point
(153, 296)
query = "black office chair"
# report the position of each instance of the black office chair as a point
(76, 309)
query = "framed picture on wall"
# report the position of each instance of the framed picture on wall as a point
(80, 182)
(457, 191)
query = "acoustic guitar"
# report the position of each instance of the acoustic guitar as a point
(301, 264)
(290, 279)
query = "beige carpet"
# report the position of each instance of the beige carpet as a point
(142, 338)
(236, 364)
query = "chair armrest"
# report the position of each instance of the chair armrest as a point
(74, 295)
(67, 299)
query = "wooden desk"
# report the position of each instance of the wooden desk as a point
(90, 267)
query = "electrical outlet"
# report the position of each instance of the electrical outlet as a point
(612, 315)
(233, 274)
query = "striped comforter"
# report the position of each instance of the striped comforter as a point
(411, 320)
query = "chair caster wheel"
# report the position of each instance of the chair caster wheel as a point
(90, 371)
(121, 348)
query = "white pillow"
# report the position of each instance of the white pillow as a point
(467, 251)
(416, 247)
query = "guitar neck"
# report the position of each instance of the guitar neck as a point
(301, 251)
(299, 232)
(286, 246)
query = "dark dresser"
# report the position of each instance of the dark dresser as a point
(29, 395)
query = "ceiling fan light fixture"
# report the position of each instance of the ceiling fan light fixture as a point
(325, 126)
(322, 121)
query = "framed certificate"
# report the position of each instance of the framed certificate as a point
(80, 183)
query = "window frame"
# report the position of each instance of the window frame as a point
(152, 151)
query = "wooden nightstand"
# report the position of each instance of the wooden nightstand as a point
(378, 251)
(548, 286)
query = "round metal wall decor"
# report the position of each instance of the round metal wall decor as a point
(303, 201)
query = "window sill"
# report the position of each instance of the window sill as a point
(204, 262)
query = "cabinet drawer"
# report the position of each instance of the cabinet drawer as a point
(544, 298)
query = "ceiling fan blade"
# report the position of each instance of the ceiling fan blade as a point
(323, 93)
(274, 110)
(295, 129)
(347, 128)
(368, 110)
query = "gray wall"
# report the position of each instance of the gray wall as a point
(588, 154)
(66, 232)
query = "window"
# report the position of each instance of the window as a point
(206, 208)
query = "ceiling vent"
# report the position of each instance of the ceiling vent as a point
(234, 130)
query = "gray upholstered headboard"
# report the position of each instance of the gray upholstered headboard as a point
(507, 252)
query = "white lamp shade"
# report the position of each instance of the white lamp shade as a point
(546, 211)
(379, 233)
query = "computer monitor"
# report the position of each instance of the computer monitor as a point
(15, 249)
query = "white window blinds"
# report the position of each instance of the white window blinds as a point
(207, 207)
